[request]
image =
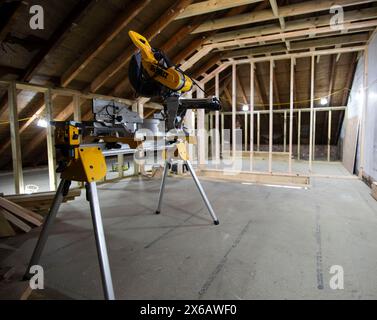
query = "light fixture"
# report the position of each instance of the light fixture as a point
(245, 107)
(324, 101)
(42, 123)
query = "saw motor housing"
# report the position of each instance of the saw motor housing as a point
(150, 68)
(153, 75)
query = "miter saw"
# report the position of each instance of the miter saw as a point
(152, 74)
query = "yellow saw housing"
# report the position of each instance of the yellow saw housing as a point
(169, 77)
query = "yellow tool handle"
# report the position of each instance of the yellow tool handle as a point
(144, 46)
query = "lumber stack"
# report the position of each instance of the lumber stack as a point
(21, 213)
(41, 202)
(13, 217)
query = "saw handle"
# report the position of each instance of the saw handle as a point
(144, 46)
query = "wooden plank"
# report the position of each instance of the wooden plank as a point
(76, 14)
(312, 74)
(51, 153)
(217, 121)
(256, 177)
(205, 7)
(6, 229)
(271, 117)
(329, 136)
(257, 49)
(15, 221)
(103, 40)
(14, 11)
(291, 106)
(21, 212)
(252, 108)
(266, 15)
(201, 132)
(42, 196)
(306, 23)
(234, 109)
(15, 139)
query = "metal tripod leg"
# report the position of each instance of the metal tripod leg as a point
(100, 241)
(58, 199)
(202, 193)
(162, 187)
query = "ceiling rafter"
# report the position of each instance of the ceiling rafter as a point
(205, 7)
(266, 15)
(307, 23)
(55, 40)
(103, 40)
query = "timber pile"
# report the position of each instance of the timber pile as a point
(14, 216)
(24, 212)
(41, 202)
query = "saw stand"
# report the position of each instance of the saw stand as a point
(91, 161)
(182, 152)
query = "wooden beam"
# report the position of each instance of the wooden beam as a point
(297, 45)
(103, 40)
(15, 139)
(41, 136)
(298, 55)
(312, 74)
(201, 132)
(76, 14)
(306, 23)
(206, 66)
(284, 11)
(290, 35)
(329, 136)
(275, 11)
(217, 121)
(54, 41)
(256, 50)
(291, 106)
(51, 154)
(234, 109)
(5, 70)
(205, 7)
(330, 41)
(271, 118)
(150, 34)
(198, 42)
(252, 108)
(13, 10)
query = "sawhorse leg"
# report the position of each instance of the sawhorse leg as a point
(162, 187)
(98, 233)
(202, 193)
(198, 185)
(100, 241)
(58, 199)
